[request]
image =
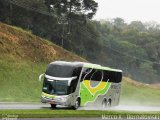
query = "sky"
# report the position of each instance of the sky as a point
(129, 10)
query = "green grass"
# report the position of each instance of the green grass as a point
(137, 94)
(69, 113)
(19, 81)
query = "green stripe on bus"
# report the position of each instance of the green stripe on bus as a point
(86, 96)
(95, 66)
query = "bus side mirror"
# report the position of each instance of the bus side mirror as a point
(40, 77)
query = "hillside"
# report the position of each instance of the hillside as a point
(17, 44)
(23, 57)
(133, 47)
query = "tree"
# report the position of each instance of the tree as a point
(119, 23)
(5, 11)
(73, 9)
(138, 25)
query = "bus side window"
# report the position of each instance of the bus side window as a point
(96, 78)
(87, 73)
(76, 72)
(106, 76)
(73, 85)
(115, 77)
(118, 77)
(112, 76)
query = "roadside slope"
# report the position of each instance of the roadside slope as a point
(23, 57)
(136, 93)
(18, 44)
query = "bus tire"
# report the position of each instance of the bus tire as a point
(53, 105)
(104, 103)
(109, 101)
(77, 104)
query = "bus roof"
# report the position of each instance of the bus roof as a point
(90, 65)
(86, 65)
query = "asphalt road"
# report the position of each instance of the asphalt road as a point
(47, 106)
(23, 105)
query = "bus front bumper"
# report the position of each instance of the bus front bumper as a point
(57, 101)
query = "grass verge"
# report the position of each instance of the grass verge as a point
(72, 113)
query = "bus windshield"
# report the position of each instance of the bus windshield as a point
(60, 87)
(55, 87)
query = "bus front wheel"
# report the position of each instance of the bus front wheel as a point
(77, 104)
(53, 105)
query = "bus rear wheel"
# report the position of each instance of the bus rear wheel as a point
(109, 103)
(106, 103)
(53, 105)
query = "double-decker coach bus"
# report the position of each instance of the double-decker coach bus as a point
(77, 84)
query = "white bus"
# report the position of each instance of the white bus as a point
(77, 84)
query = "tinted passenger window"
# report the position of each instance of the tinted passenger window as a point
(87, 73)
(96, 78)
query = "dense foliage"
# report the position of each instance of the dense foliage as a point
(133, 47)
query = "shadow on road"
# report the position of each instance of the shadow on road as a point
(58, 108)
